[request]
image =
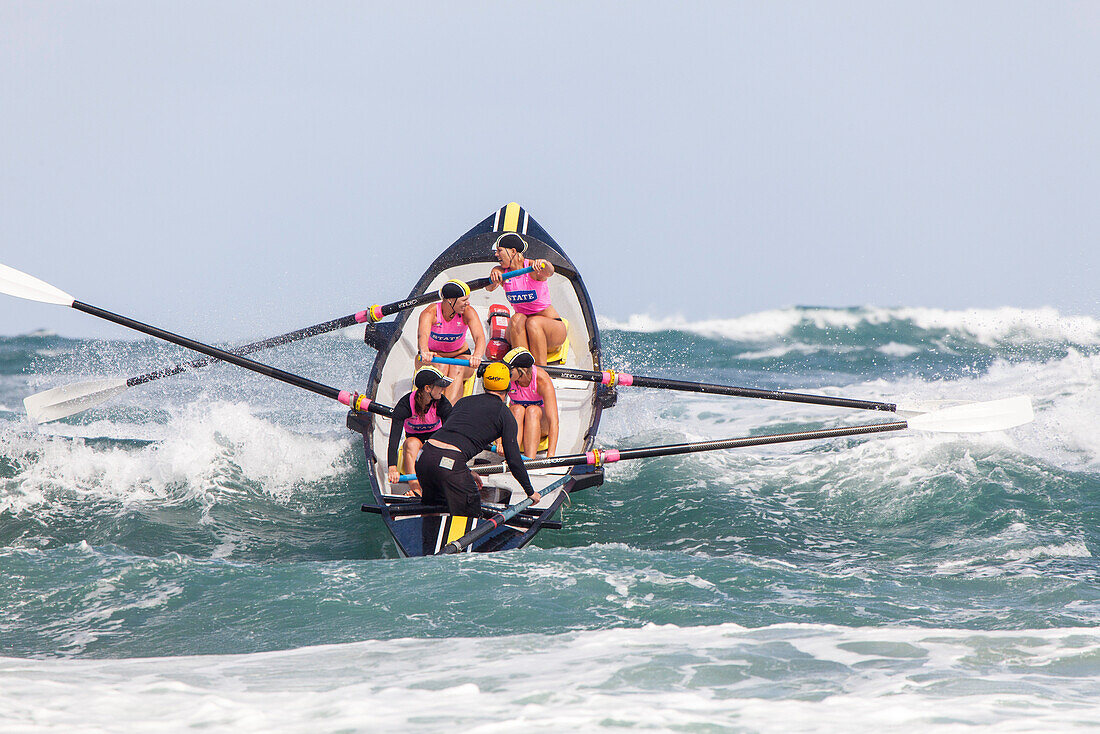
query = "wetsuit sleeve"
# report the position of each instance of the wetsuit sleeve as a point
(397, 426)
(512, 453)
(443, 409)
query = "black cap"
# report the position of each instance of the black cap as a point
(429, 375)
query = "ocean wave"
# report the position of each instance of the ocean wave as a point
(988, 327)
(207, 449)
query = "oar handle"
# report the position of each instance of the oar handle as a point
(377, 313)
(346, 397)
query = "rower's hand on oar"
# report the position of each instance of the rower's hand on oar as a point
(535, 498)
(495, 275)
(426, 357)
(475, 361)
(394, 475)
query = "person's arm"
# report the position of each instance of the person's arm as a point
(543, 269)
(443, 409)
(512, 454)
(397, 427)
(494, 275)
(550, 409)
(474, 322)
(423, 330)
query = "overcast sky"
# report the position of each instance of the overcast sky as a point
(239, 169)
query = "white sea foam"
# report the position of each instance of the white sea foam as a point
(866, 679)
(1065, 394)
(986, 326)
(211, 448)
(893, 349)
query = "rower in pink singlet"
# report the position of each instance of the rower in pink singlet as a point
(441, 332)
(527, 295)
(536, 324)
(429, 423)
(447, 337)
(534, 403)
(525, 394)
(418, 415)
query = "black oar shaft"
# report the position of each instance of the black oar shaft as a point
(374, 313)
(607, 456)
(248, 364)
(424, 299)
(737, 443)
(613, 378)
(274, 341)
(460, 544)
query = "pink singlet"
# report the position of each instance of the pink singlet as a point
(527, 295)
(426, 423)
(447, 336)
(526, 395)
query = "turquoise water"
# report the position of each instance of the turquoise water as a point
(193, 554)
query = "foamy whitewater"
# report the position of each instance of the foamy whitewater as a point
(192, 554)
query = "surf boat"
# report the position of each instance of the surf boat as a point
(420, 529)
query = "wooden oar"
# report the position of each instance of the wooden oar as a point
(496, 521)
(611, 377)
(21, 285)
(62, 402)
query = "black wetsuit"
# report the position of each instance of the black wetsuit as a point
(401, 413)
(475, 422)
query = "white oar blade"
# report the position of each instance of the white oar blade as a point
(19, 284)
(928, 406)
(993, 415)
(61, 402)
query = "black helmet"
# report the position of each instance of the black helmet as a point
(512, 241)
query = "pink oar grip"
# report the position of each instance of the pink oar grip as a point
(611, 377)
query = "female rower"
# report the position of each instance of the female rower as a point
(534, 403)
(419, 414)
(441, 332)
(535, 324)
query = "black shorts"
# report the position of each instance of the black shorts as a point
(422, 437)
(444, 477)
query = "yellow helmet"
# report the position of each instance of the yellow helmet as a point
(497, 377)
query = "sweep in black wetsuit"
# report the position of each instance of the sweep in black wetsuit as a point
(474, 423)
